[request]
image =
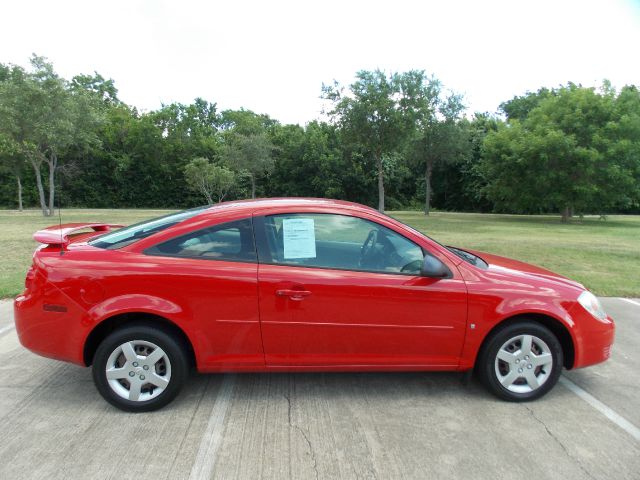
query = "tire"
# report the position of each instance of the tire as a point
(520, 362)
(147, 368)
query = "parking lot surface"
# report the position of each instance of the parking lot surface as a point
(54, 424)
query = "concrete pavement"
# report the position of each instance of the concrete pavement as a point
(6, 314)
(54, 424)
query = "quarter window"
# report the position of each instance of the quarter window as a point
(231, 241)
(338, 242)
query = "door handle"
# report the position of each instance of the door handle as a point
(293, 294)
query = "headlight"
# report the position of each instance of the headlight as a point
(592, 305)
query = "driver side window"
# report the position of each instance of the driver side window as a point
(339, 242)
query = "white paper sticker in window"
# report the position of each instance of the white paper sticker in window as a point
(299, 238)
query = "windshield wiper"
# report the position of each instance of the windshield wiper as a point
(469, 257)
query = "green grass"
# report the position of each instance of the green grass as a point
(603, 255)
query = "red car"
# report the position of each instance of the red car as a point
(296, 285)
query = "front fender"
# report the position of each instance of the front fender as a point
(478, 331)
(494, 297)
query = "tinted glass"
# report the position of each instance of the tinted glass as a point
(133, 233)
(231, 241)
(340, 242)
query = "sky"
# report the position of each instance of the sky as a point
(273, 56)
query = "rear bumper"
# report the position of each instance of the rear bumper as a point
(48, 324)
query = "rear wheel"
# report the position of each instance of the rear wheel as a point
(521, 361)
(139, 368)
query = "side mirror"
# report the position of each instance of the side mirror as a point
(434, 268)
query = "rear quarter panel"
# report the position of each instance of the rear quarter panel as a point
(213, 302)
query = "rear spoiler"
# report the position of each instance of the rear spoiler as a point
(59, 234)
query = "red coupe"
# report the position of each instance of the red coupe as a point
(296, 285)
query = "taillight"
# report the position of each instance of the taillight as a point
(31, 276)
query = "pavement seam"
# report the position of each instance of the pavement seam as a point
(6, 329)
(557, 440)
(186, 432)
(206, 457)
(632, 302)
(605, 410)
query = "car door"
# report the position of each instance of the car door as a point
(343, 290)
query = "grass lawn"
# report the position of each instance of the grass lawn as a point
(603, 255)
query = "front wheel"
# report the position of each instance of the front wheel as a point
(139, 368)
(521, 361)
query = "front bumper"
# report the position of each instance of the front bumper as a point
(593, 338)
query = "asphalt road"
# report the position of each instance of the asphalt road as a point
(53, 423)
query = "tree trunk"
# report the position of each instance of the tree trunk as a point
(19, 193)
(36, 168)
(380, 184)
(427, 184)
(253, 186)
(209, 198)
(52, 163)
(565, 214)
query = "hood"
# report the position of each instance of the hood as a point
(521, 269)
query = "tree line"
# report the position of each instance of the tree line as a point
(394, 141)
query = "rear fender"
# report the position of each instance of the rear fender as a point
(136, 303)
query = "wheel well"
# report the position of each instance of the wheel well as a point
(556, 327)
(111, 324)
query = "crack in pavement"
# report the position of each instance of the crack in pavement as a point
(304, 435)
(557, 440)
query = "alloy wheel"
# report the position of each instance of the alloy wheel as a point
(138, 370)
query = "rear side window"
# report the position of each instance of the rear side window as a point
(231, 241)
(133, 233)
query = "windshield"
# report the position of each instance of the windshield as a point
(133, 233)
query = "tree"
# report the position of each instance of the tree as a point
(458, 184)
(185, 132)
(12, 161)
(245, 122)
(439, 137)
(251, 153)
(376, 112)
(209, 179)
(46, 119)
(105, 90)
(519, 107)
(11, 155)
(309, 161)
(578, 149)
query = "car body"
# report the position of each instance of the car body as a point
(297, 285)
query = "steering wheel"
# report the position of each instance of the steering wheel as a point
(368, 245)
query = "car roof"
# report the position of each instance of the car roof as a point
(288, 202)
